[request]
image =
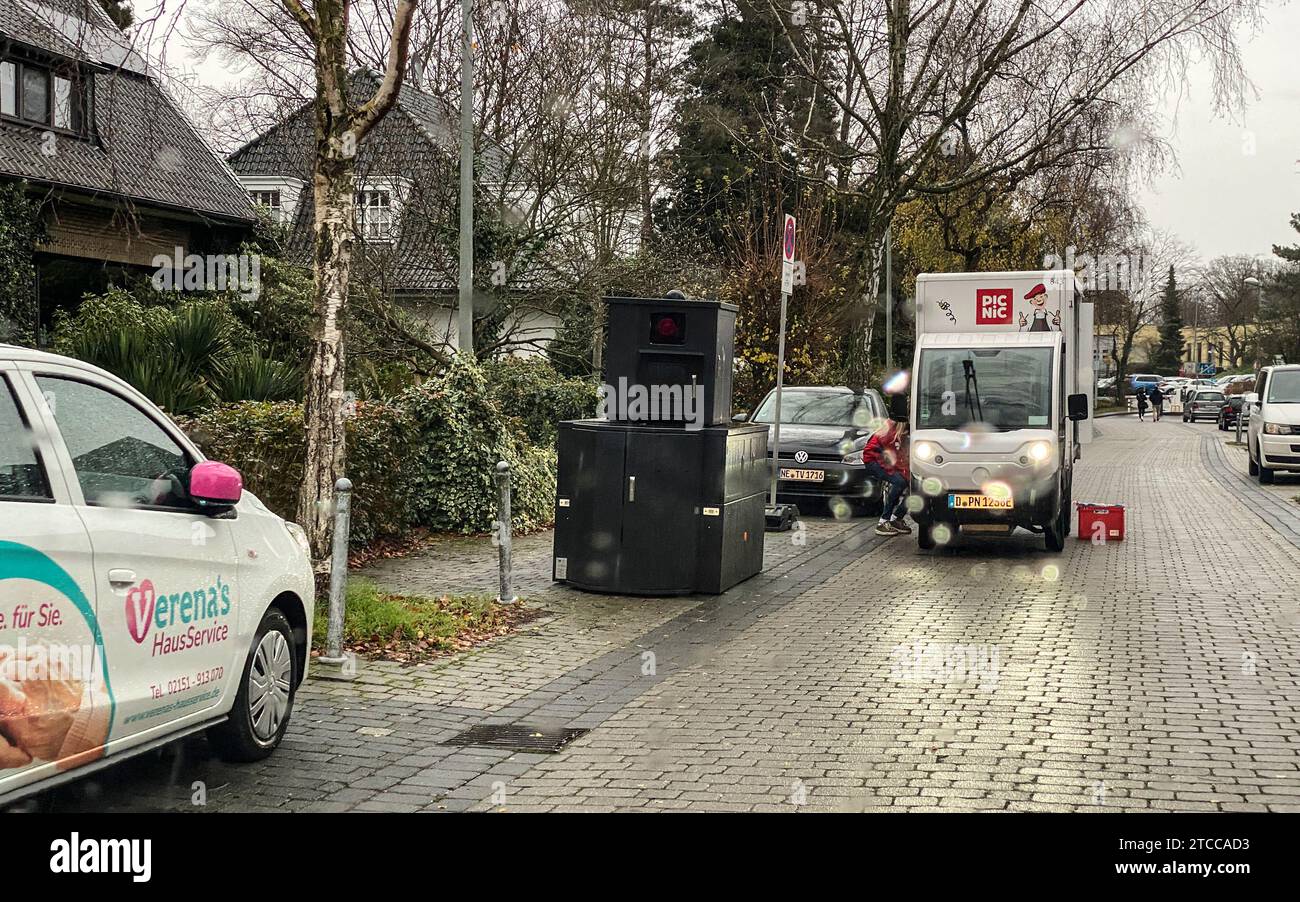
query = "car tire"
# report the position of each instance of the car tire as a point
(1265, 475)
(1251, 467)
(249, 734)
(925, 537)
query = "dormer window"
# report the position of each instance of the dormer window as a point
(41, 95)
(375, 214)
(270, 200)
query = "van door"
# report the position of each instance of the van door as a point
(164, 572)
(56, 700)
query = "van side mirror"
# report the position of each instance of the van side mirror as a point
(1250, 397)
(1077, 407)
(739, 417)
(900, 409)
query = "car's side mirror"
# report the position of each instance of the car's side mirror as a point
(900, 409)
(740, 417)
(1076, 407)
(215, 487)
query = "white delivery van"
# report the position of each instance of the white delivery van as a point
(1001, 396)
(143, 594)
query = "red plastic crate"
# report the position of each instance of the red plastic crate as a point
(1111, 516)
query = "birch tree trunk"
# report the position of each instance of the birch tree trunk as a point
(326, 454)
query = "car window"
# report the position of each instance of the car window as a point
(1209, 396)
(122, 457)
(22, 478)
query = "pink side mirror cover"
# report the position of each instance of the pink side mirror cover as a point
(216, 483)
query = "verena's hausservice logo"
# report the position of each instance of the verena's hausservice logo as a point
(140, 604)
(993, 306)
(196, 611)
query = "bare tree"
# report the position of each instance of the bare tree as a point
(997, 85)
(1233, 284)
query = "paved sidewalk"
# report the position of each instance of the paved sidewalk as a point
(855, 673)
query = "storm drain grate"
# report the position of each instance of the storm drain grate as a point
(519, 737)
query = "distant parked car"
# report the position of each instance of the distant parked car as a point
(1142, 381)
(823, 431)
(1239, 385)
(1106, 383)
(1204, 405)
(1232, 408)
(1191, 385)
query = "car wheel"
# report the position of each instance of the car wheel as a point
(925, 537)
(1251, 467)
(264, 702)
(1265, 475)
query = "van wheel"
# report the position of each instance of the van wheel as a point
(925, 537)
(1265, 475)
(264, 702)
(1251, 467)
(1054, 532)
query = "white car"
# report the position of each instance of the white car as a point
(143, 594)
(1273, 436)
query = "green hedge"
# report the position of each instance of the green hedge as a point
(534, 396)
(426, 459)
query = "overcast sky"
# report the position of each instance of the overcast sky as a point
(1220, 198)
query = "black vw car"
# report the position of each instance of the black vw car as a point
(823, 431)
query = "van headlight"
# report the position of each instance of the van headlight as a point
(923, 450)
(1040, 451)
(1280, 429)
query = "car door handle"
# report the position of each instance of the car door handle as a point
(631, 488)
(120, 579)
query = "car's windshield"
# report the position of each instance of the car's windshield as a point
(1209, 396)
(1284, 387)
(818, 408)
(1005, 388)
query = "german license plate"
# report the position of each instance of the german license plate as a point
(973, 501)
(803, 475)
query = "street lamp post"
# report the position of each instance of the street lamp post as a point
(465, 306)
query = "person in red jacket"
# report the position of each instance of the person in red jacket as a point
(885, 457)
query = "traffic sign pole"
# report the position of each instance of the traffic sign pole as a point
(787, 285)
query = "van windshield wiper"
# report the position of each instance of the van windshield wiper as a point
(973, 405)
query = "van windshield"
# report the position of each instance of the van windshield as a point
(1002, 388)
(1284, 387)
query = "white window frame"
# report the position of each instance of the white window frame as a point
(399, 191)
(290, 192)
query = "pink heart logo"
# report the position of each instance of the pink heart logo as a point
(139, 610)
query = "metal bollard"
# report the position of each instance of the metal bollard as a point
(505, 531)
(338, 573)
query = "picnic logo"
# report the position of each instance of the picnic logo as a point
(993, 306)
(103, 856)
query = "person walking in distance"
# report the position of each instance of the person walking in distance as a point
(1142, 404)
(1157, 402)
(885, 457)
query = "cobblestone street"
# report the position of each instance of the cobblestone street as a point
(855, 673)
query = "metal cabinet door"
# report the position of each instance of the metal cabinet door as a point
(588, 515)
(661, 497)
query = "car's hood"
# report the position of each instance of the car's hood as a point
(795, 437)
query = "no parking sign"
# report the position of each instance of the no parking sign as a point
(787, 256)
